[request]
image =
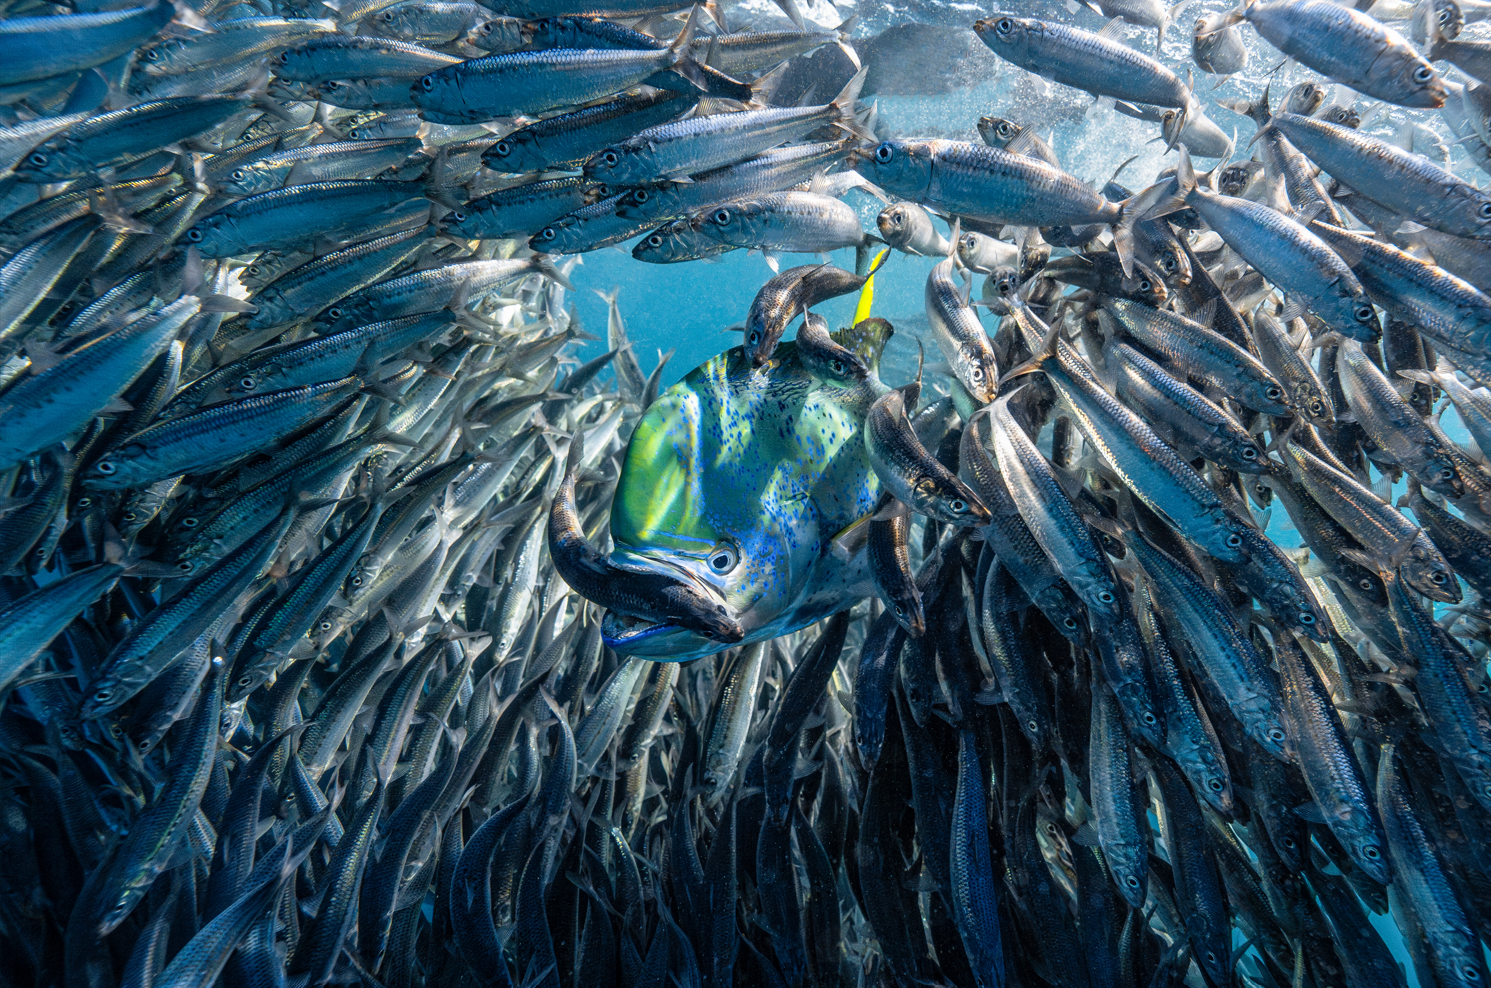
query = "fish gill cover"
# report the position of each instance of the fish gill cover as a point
(1074, 576)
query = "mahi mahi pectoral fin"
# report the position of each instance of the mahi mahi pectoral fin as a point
(853, 536)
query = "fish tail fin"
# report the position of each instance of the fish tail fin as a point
(843, 105)
(576, 455)
(1144, 204)
(437, 185)
(1037, 361)
(544, 265)
(680, 45)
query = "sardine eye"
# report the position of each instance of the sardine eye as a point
(184, 566)
(1423, 74)
(1215, 785)
(655, 240)
(1132, 881)
(247, 383)
(723, 559)
(837, 366)
(755, 337)
(1289, 843)
(1272, 393)
(548, 233)
(190, 523)
(611, 158)
(641, 196)
(1033, 725)
(1305, 618)
(502, 148)
(237, 174)
(1069, 623)
(1149, 718)
(129, 516)
(1105, 596)
(357, 581)
(245, 681)
(722, 216)
(1370, 852)
(1234, 540)
(333, 313)
(900, 611)
(976, 372)
(1485, 211)
(1006, 130)
(1438, 579)
(1004, 25)
(37, 158)
(1470, 972)
(84, 502)
(1249, 453)
(1364, 313)
(194, 235)
(427, 84)
(884, 153)
(957, 506)
(1144, 285)
(104, 467)
(458, 216)
(325, 626)
(1316, 406)
(1364, 583)
(102, 696)
(1276, 735)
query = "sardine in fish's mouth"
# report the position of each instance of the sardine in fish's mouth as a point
(629, 634)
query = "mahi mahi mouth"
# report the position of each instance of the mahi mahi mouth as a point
(626, 632)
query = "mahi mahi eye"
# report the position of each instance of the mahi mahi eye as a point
(723, 559)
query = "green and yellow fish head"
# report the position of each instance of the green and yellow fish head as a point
(742, 478)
